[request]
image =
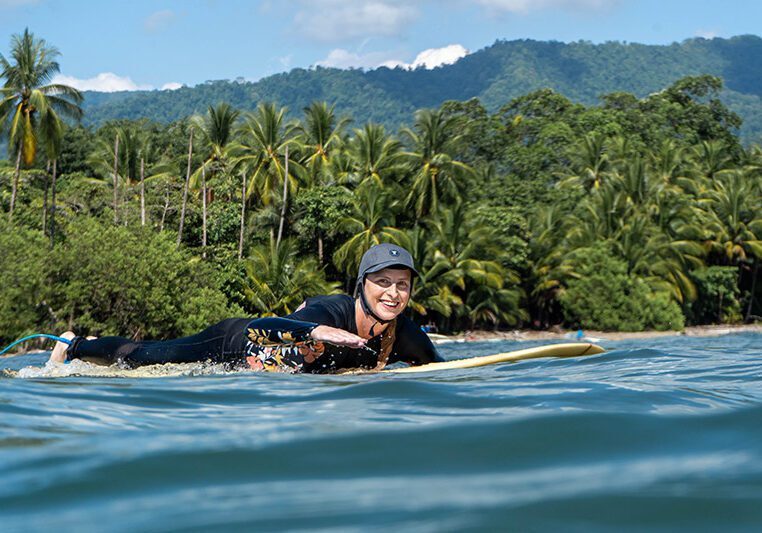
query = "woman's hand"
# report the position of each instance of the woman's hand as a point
(337, 336)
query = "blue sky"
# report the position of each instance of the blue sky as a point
(154, 44)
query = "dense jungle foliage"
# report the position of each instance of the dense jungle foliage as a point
(634, 213)
(581, 71)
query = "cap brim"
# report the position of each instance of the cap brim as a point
(390, 264)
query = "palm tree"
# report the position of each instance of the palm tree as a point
(215, 131)
(278, 281)
(437, 175)
(620, 149)
(321, 144)
(590, 162)
(668, 161)
(263, 140)
(371, 217)
(261, 149)
(712, 158)
(125, 162)
(320, 136)
(29, 99)
(549, 252)
(490, 291)
(635, 183)
(598, 217)
(662, 260)
(646, 221)
(155, 165)
(734, 218)
(373, 156)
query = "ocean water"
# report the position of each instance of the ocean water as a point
(654, 435)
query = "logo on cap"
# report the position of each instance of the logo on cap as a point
(395, 253)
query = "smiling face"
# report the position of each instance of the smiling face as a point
(388, 291)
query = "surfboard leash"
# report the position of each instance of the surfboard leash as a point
(35, 336)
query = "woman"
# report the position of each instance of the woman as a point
(326, 333)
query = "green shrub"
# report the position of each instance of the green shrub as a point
(23, 275)
(112, 280)
(203, 308)
(606, 297)
(718, 294)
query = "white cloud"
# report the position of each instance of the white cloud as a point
(106, 82)
(525, 6)
(336, 20)
(434, 57)
(431, 58)
(341, 58)
(159, 20)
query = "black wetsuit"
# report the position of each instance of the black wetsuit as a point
(276, 341)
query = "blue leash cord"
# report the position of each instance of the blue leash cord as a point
(37, 335)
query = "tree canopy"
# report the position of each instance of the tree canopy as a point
(638, 212)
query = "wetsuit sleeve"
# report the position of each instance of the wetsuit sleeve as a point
(280, 342)
(412, 345)
(296, 327)
(277, 331)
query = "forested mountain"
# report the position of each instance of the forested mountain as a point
(581, 71)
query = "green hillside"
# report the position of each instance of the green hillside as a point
(581, 71)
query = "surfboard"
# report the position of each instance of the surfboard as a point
(575, 349)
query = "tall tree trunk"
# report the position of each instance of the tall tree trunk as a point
(185, 190)
(243, 214)
(125, 207)
(320, 248)
(166, 208)
(45, 200)
(142, 192)
(116, 169)
(15, 185)
(285, 199)
(53, 205)
(753, 288)
(203, 210)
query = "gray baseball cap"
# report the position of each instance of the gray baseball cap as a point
(383, 256)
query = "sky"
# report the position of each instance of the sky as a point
(110, 45)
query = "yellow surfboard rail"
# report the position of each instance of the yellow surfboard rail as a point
(575, 349)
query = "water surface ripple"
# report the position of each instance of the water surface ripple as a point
(658, 435)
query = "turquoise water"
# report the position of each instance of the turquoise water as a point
(658, 434)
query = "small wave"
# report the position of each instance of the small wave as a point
(79, 368)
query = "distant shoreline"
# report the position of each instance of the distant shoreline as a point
(591, 335)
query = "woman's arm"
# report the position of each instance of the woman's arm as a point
(277, 331)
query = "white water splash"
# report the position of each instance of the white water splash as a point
(82, 368)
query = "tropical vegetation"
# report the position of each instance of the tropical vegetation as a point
(637, 212)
